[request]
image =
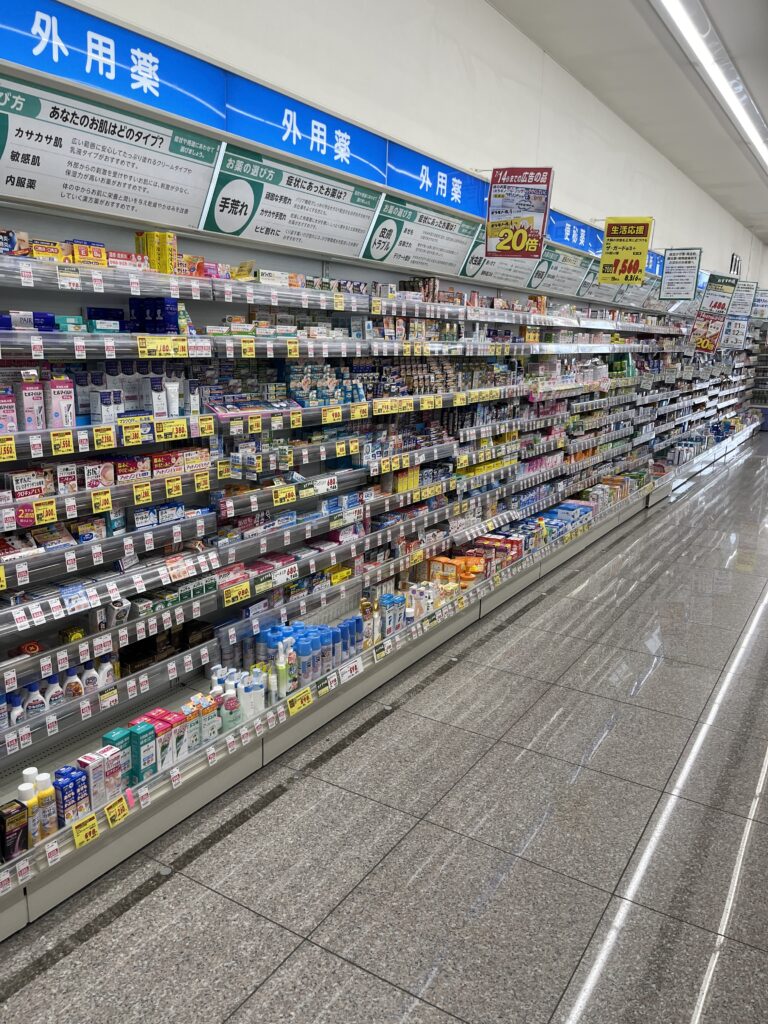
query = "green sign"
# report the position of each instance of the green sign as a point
(412, 236)
(62, 150)
(268, 200)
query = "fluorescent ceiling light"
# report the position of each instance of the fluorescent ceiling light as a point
(709, 64)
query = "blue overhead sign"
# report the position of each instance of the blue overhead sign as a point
(575, 234)
(57, 40)
(429, 179)
(654, 264)
(265, 116)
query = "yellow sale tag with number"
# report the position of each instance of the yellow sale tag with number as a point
(299, 700)
(131, 434)
(427, 402)
(284, 495)
(248, 348)
(296, 418)
(341, 449)
(101, 500)
(331, 414)
(236, 593)
(206, 426)
(415, 496)
(438, 401)
(62, 442)
(85, 830)
(459, 398)
(417, 348)
(223, 469)
(45, 511)
(380, 406)
(376, 306)
(173, 487)
(202, 481)
(406, 348)
(338, 300)
(3, 583)
(142, 493)
(386, 465)
(175, 430)
(293, 349)
(405, 461)
(104, 437)
(254, 424)
(359, 411)
(7, 448)
(354, 446)
(462, 461)
(116, 811)
(406, 405)
(395, 462)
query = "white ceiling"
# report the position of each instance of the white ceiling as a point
(624, 55)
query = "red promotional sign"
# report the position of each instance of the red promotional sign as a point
(518, 205)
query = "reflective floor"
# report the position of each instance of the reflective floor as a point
(559, 816)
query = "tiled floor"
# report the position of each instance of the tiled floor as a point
(557, 817)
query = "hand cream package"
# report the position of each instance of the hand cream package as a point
(111, 758)
(164, 744)
(30, 406)
(59, 394)
(9, 420)
(120, 739)
(143, 752)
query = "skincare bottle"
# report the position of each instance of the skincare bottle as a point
(28, 797)
(34, 701)
(90, 678)
(16, 712)
(272, 685)
(106, 673)
(73, 685)
(230, 710)
(54, 695)
(282, 672)
(46, 801)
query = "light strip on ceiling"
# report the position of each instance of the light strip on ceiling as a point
(705, 57)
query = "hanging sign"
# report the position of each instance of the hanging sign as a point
(518, 204)
(734, 334)
(266, 200)
(408, 235)
(575, 234)
(681, 271)
(743, 298)
(559, 271)
(718, 294)
(60, 149)
(426, 178)
(760, 305)
(706, 331)
(625, 250)
(501, 273)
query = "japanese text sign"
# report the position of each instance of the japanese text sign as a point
(625, 250)
(518, 204)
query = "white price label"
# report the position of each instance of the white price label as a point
(139, 584)
(35, 446)
(98, 554)
(245, 735)
(51, 725)
(132, 688)
(188, 663)
(195, 609)
(27, 277)
(178, 614)
(62, 661)
(84, 651)
(231, 744)
(46, 666)
(20, 618)
(109, 348)
(281, 715)
(114, 593)
(211, 755)
(122, 637)
(128, 546)
(52, 852)
(195, 285)
(144, 798)
(22, 573)
(173, 287)
(70, 561)
(227, 291)
(143, 682)
(36, 343)
(83, 441)
(205, 656)
(25, 736)
(351, 670)
(85, 709)
(176, 534)
(172, 670)
(23, 872)
(5, 882)
(175, 777)
(271, 720)
(9, 679)
(232, 636)
(167, 620)
(258, 725)
(11, 743)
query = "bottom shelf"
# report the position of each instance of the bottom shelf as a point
(26, 894)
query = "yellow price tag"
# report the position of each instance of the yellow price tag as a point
(116, 811)
(254, 424)
(405, 461)
(7, 448)
(354, 446)
(206, 426)
(259, 464)
(173, 487)
(381, 406)
(386, 465)
(85, 831)
(299, 700)
(142, 493)
(202, 481)
(284, 495)
(45, 511)
(331, 414)
(415, 496)
(341, 449)
(236, 593)
(426, 402)
(462, 461)
(288, 457)
(376, 306)
(417, 349)
(359, 411)
(62, 442)
(223, 469)
(406, 348)
(417, 556)
(101, 500)
(172, 430)
(437, 402)
(406, 405)
(459, 398)
(338, 300)
(293, 348)
(104, 437)
(297, 419)
(131, 434)
(247, 348)
(395, 462)
(3, 583)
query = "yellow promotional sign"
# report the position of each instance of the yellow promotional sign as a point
(44, 511)
(7, 448)
(142, 493)
(236, 593)
(331, 414)
(85, 830)
(101, 500)
(104, 437)
(285, 495)
(300, 700)
(62, 442)
(625, 250)
(116, 811)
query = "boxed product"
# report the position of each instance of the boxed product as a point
(91, 254)
(143, 751)
(13, 243)
(13, 829)
(93, 766)
(120, 739)
(111, 758)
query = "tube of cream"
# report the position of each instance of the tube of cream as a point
(171, 388)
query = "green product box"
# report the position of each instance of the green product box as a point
(143, 752)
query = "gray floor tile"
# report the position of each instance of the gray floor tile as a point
(651, 633)
(554, 613)
(476, 698)
(477, 932)
(660, 684)
(533, 654)
(153, 961)
(633, 743)
(739, 703)
(415, 678)
(684, 609)
(406, 762)
(326, 742)
(723, 769)
(297, 859)
(750, 656)
(736, 560)
(564, 817)
(315, 987)
(644, 968)
(705, 867)
(717, 582)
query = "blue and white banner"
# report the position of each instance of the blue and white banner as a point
(426, 178)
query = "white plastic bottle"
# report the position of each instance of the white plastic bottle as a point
(16, 712)
(46, 800)
(30, 775)
(28, 797)
(73, 685)
(90, 678)
(54, 695)
(34, 701)
(231, 714)
(106, 673)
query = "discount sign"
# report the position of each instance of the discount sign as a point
(518, 204)
(625, 250)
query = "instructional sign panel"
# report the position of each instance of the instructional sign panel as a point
(408, 235)
(734, 332)
(742, 298)
(718, 294)
(62, 150)
(681, 272)
(558, 271)
(502, 273)
(635, 294)
(625, 250)
(518, 205)
(267, 200)
(591, 288)
(760, 304)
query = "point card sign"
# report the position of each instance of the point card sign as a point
(625, 250)
(743, 298)
(760, 305)
(518, 206)
(267, 200)
(405, 234)
(681, 273)
(718, 294)
(734, 334)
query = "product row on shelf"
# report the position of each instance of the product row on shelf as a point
(205, 529)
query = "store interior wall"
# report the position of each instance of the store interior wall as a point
(455, 79)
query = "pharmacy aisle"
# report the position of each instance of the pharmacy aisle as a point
(555, 816)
